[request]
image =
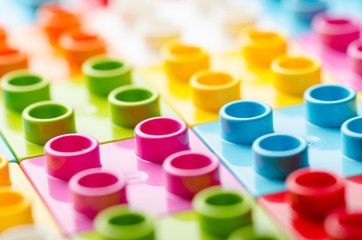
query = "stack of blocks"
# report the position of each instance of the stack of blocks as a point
(259, 142)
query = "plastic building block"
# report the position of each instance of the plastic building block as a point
(324, 149)
(330, 105)
(301, 227)
(78, 45)
(11, 59)
(339, 63)
(244, 121)
(4, 171)
(186, 225)
(3, 36)
(28, 231)
(25, 192)
(189, 172)
(354, 53)
(181, 61)
(169, 134)
(55, 21)
(69, 154)
(94, 190)
(91, 117)
(261, 47)
(104, 74)
(277, 155)
(45, 120)
(221, 212)
(142, 177)
(248, 233)
(6, 151)
(119, 222)
(130, 105)
(294, 74)
(21, 88)
(352, 138)
(218, 87)
(335, 32)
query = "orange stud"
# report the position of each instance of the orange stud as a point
(11, 59)
(78, 45)
(4, 171)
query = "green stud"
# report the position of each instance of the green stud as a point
(119, 222)
(248, 233)
(130, 105)
(221, 211)
(44, 120)
(22, 88)
(104, 74)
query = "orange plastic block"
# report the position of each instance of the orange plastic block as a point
(78, 45)
(11, 59)
(55, 21)
(2, 36)
(19, 202)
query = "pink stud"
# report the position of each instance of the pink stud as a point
(355, 54)
(188, 172)
(69, 154)
(159, 137)
(94, 190)
(336, 32)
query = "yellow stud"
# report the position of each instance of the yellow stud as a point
(4, 171)
(182, 61)
(261, 48)
(211, 90)
(295, 74)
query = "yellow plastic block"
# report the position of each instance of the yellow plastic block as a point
(256, 84)
(20, 197)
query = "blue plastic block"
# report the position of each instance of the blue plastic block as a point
(5, 150)
(324, 150)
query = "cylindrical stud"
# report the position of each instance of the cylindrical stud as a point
(188, 172)
(315, 193)
(261, 47)
(342, 224)
(305, 9)
(78, 45)
(11, 59)
(94, 190)
(277, 155)
(29, 231)
(336, 32)
(69, 154)
(217, 87)
(44, 120)
(15, 209)
(293, 75)
(355, 55)
(183, 61)
(55, 21)
(330, 105)
(244, 121)
(248, 233)
(221, 211)
(130, 105)
(159, 137)
(104, 74)
(21, 88)
(351, 132)
(4, 171)
(119, 222)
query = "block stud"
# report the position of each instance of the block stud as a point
(351, 132)
(11, 59)
(4, 171)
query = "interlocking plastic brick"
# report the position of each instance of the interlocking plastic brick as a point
(302, 227)
(91, 116)
(5, 150)
(144, 179)
(324, 149)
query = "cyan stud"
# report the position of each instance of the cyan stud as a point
(277, 155)
(330, 105)
(352, 138)
(243, 121)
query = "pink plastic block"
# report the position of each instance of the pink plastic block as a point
(159, 137)
(335, 32)
(145, 190)
(301, 227)
(71, 153)
(94, 190)
(188, 172)
(355, 54)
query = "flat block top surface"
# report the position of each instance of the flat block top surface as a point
(144, 179)
(323, 143)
